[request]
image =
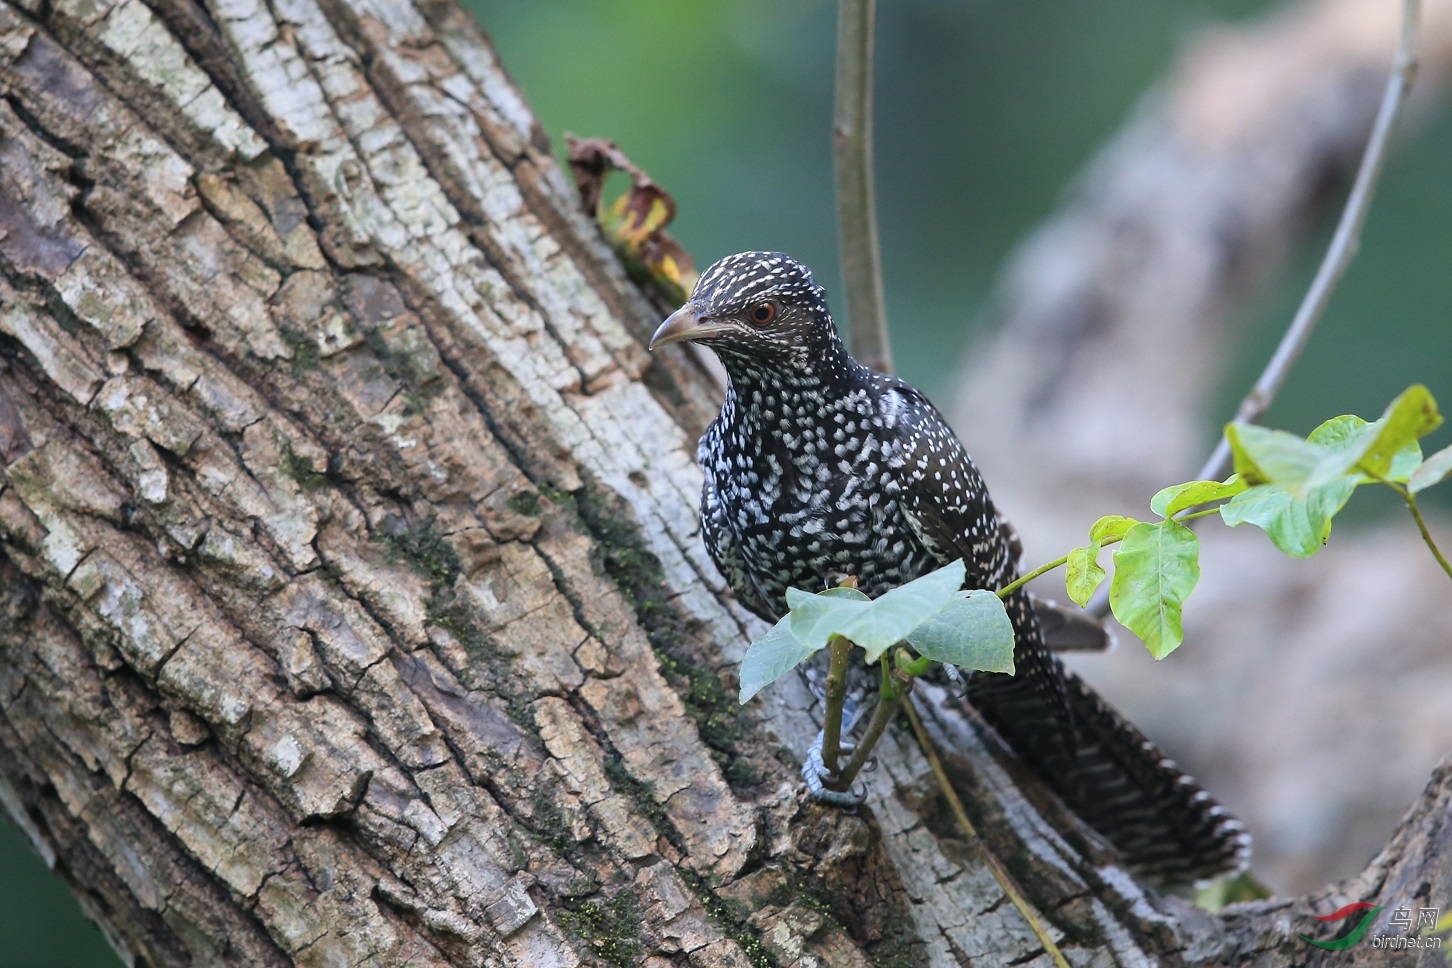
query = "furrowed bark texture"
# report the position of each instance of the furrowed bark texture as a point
(352, 609)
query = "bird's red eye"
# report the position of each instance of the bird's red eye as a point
(763, 314)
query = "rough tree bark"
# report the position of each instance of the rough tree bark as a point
(353, 610)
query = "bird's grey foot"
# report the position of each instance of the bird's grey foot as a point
(815, 772)
(957, 679)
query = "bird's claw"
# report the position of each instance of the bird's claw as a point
(816, 775)
(957, 679)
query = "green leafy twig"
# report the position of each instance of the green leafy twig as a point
(1343, 245)
(1339, 253)
(856, 200)
(836, 693)
(1288, 486)
(931, 614)
(970, 834)
(1155, 569)
(1044, 569)
(889, 698)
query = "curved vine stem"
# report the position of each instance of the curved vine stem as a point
(1342, 248)
(970, 833)
(1411, 502)
(1339, 254)
(1043, 569)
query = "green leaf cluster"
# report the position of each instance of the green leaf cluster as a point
(1156, 565)
(1297, 486)
(1291, 487)
(931, 614)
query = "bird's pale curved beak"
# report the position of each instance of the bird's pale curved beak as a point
(683, 326)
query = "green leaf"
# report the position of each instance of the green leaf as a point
(877, 625)
(815, 618)
(1155, 569)
(1405, 463)
(1264, 456)
(770, 657)
(1378, 446)
(1110, 526)
(1297, 526)
(1172, 500)
(1340, 433)
(1435, 469)
(1083, 573)
(971, 632)
(1412, 415)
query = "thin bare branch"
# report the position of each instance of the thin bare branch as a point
(856, 200)
(1339, 254)
(1343, 244)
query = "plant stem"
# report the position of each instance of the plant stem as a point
(1023, 580)
(836, 692)
(1341, 250)
(1411, 500)
(1019, 582)
(1005, 881)
(856, 202)
(889, 699)
(1339, 254)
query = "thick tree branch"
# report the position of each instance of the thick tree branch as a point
(354, 605)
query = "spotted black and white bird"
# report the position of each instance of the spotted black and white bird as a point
(818, 468)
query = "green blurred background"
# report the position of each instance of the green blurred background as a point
(984, 111)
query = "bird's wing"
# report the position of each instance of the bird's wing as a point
(943, 494)
(948, 504)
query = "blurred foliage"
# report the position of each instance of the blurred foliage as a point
(984, 110)
(40, 924)
(1390, 322)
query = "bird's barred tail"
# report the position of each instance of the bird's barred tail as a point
(1168, 829)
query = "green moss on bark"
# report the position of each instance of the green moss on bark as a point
(620, 554)
(610, 926)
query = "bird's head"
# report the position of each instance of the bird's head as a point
(757, 310)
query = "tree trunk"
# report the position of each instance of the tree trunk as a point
(354, 610)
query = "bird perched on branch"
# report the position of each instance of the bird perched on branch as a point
(818, 468)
